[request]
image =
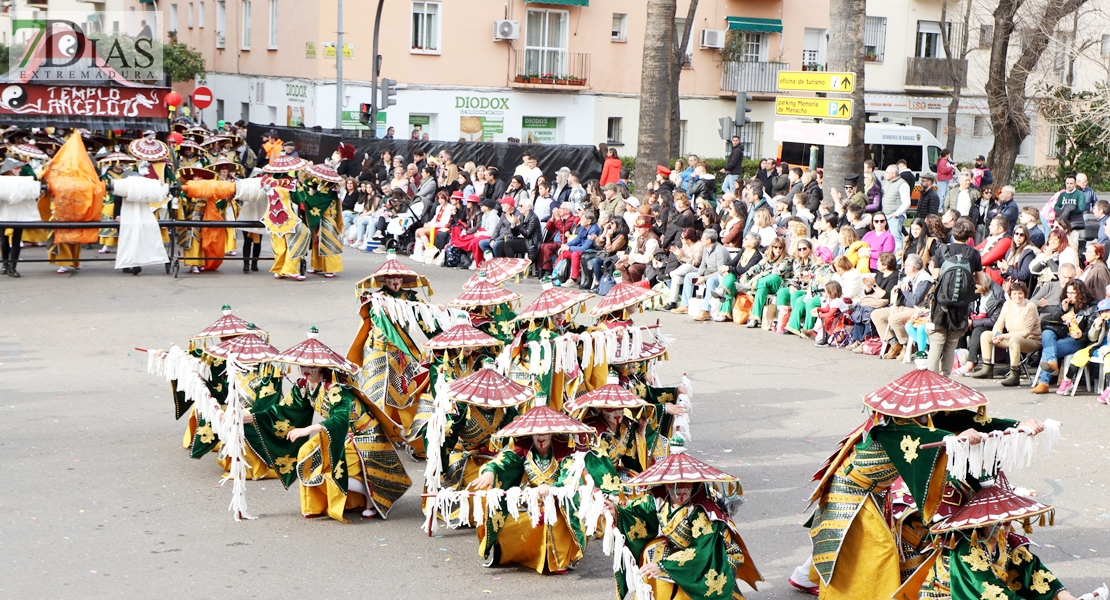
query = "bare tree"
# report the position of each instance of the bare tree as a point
(674, 128)
(957, 64)
(845, 54)
(653, 145)
(1007, 84)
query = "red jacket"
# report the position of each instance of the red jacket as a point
(611, 172)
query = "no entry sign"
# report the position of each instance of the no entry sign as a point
(202, 97)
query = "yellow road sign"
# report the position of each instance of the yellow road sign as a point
(821, 108)
(817, 81)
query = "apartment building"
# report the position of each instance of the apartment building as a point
(568, 71)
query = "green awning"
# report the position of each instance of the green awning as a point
(561, 2)
(753, 24)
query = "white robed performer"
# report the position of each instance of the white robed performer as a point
(18, 202)
(140, 238)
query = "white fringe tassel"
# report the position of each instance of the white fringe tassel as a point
(1009, 450)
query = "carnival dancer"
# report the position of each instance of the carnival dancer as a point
(19, 196)
(491, 309)
(228, 170)
(75, 193)
(682, 534)
(321, 209)
(978, 553)
(190, 154)
(154, 163)
(541, 456)
(347, 461)
(289, 237)
(620, 304)
(205, 199)
(619, 451)
(549, 316)
(140, 240)
(854, 551)
(34, 160)
(114, 161)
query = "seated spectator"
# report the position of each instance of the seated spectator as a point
(803, 271)
(782, 215)
(984, 315)
(803, 309)
(468, 239)
(544, 200)
(526, 234)
(763, 227)
(734, 275)
(827, 234)
(851, 280)
(1057, 250)
(640, 253)
(502, 230)
(913, 295)
(1015, 267)
(833, 305)
(878, 291)
(556, 230)
(919, 242)
(1095, 274)
(425, 250)
(1018, 330)
(1050, 292)
(859, 220)
(689, 257)
(1064, 332)
(732, 232)
(878, 239)
(713, 257)
(613, 240)
(994, 247)
(766, 278)
(854, 249)
(577, 243)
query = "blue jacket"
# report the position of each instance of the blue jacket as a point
(582, 241)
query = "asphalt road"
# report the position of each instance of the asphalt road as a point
(101, 501)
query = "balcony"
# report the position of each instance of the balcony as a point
(551, 68)
(750, 76)
(934, 73)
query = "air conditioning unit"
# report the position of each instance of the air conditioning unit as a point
(713, 38)
(506, 30)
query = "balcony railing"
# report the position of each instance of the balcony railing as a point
(934, 72)
(743, 76)
(536, 66)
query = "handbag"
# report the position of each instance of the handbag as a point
(742, 308)
(873, 302)
(607, 282)
(871, 346)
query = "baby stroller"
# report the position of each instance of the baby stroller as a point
(400, 232)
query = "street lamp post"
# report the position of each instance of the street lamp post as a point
(374, 68)
(339, 67)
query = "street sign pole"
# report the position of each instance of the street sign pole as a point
(375, 67)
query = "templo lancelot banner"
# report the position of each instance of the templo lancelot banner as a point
(89, 101)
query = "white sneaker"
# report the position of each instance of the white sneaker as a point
(473, 267)
(799, 579)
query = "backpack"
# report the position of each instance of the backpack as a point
(955, 287)
(451, 256)
(607, 282)
(561, 272)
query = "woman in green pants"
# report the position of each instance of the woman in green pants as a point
(746, 262)
(767, 277)
(804, 271)
(805, 305)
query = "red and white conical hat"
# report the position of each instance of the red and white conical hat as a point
(542, 420)
(285, 164)
(461, 336)
(28, 151)
(921, 392)
(995, 502)
(228, 325)
(393, 267)
(313, 353)
(324, 172)
(649, 351)
(551, 302)
(149, 150)
(190, 144)
(498, 270)
(484, 294)
(489, 389)
(679, 467)
(609, 396)
(247, 349)
(622, 296)
(115, 157)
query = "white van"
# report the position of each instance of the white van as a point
(884, 143)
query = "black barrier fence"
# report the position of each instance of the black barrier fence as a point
(319, 144)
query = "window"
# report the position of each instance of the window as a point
(245, 111)
(982, 126)
(613, 133)
(620, 27)
(221, 23)
(189, 15)
(246, 37)
(813, 48)
(1026, 147)
(273, 24)
(679, 29)
(130, 21)
(200, 15)
(986, 35)
(753, 46)
(874, 39)
(173, 17)
(545, 42)
(425, 28)
(751, 138)
(219, 110)
(929, 44)
(1053, 142)
(1105, 49)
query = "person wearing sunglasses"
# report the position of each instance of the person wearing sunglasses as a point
(878, 239)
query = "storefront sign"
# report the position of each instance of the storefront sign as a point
(481, 105)
(350, 121)
(310, 49)
(539, 130)
(296, 92)
(66, 100)
(294, 115)
(348, 51)
(420, 120)
(481, 129)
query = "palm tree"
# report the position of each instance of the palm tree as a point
(653, 139)
(846, 54)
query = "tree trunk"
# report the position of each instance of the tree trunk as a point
(676, 75)
(845, 55)
(952, 57)
(655, 91)
(1006, 90)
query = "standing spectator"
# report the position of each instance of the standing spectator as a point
(1088, 191)
(415, 135)
(734, 168)
(945, 172)
(290, 149)
(766, 172)
(981, 174)
(896, 201)
(962, 198)
(879, 239)
(1018, 329)
(812, 188)
(795, 178)
(929, 201)
(950, 320)
(389, 133)
(1070, 205)
(905, 173)
(611, 169)
(780, 183)
(532, 170)
(1032, 221)
(874, 191)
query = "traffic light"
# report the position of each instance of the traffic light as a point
(389, 90)
(742, 109)
(364, 110)
(726, 128)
